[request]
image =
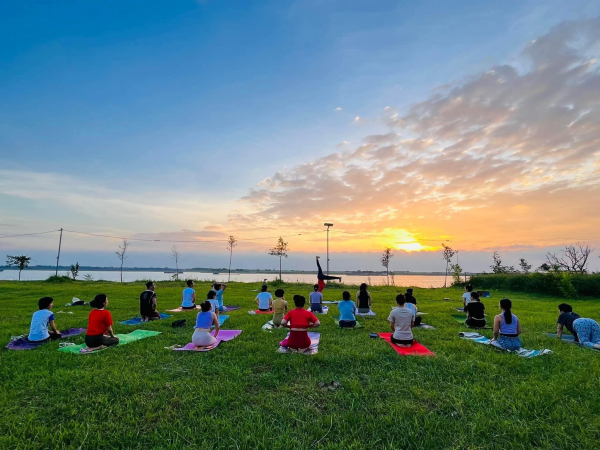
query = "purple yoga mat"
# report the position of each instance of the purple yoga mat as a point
(224, 335)
(231, 308)
(26, 344)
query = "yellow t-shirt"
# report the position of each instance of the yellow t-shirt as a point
(279, 306)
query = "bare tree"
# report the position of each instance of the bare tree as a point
(447, 254)
(280, 250)
(525, 266)
(573, 259)
(386, 256)
(122, 254)
(75, 270)
(175, 256)
(231, 242)
(22, 262)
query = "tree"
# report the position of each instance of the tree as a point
(122, 254)
(22, 262)
(456, 271)
(497, 267)
(280, 250)
(75, 270)
(386, 256)
(175, 256)
(231, 242)
(573, 259)
(525, 266)
(447, 254)
(545, 267)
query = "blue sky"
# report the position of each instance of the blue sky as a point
(190, 104)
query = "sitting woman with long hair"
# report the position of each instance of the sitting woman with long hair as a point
(507, 328)
(363, 299)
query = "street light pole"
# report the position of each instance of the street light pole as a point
(328, 225)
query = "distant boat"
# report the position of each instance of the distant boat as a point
(173, 271)
(215, 273)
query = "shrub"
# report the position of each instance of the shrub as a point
(563, 284)
(58, 279)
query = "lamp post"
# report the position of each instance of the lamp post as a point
(328, 225)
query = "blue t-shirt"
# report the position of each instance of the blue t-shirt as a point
(187, 297)
(39, 325)
(411, 306)
(219, 297)
(346, 308)
(263, 300)
(204, 320)
(215, 304)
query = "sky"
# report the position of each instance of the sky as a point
(406, 124)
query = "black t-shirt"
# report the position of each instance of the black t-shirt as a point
(363, 299)
(147, 302)
(476, 310)
(409, 298)
(567, 320)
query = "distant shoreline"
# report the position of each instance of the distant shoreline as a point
(223, 271)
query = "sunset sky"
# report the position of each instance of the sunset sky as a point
(406, 124)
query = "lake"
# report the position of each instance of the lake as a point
(422, 281)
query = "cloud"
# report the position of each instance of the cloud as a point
(360, 120)
(504, 155)
(339, 108)
(342, 144)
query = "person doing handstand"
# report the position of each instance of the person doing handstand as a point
(322, 277)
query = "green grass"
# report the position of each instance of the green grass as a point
(246, 395)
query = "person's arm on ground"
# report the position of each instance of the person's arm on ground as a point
(194, 298)
(256, 300)
(497, 321)
(285, 306)
(393, 327)
(315, 324)
(370, 301)
(216, 324)
(110, 331)
(271, 303)
(559, 330)
(53, 327)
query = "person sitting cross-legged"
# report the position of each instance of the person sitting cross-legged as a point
(299, 320)
(402, 320)
(347, 310)
(475, 312)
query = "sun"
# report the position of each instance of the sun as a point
(410, 246)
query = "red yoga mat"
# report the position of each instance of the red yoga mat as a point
(415, 349)
(258, 311)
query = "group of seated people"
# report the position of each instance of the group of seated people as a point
(506, 327)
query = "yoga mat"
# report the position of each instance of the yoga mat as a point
(222, 319)
(224, 335)
(256, 311)
(460, 309)
(180, 309)
(414, 349)
(424, 326)
(269, 326)
(523, 352)
(459, 318)
(123, 339)
(330, 302)
(312, 350)
(336, 319)
(370, 313)
(565, 337)
(325, 310)
(26, 344)
(138, 320)
(231, 308)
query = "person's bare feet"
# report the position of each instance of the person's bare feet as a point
(318, 257)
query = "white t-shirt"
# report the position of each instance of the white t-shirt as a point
(316, 297)
(467, 298)
(263, 300)
(402, 318)
(39, 325)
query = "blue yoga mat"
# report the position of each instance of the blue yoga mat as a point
(138, 320)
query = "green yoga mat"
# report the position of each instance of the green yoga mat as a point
(123, 339)
(459, 318)
(336, 319)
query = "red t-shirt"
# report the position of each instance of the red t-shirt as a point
(300, 318)
(98, 322)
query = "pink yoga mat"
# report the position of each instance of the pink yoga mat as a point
(224, 335)
(258, 311)
(415, 349)
(180, 309)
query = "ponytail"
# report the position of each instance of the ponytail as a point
(506, 305)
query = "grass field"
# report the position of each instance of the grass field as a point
(246, 395)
